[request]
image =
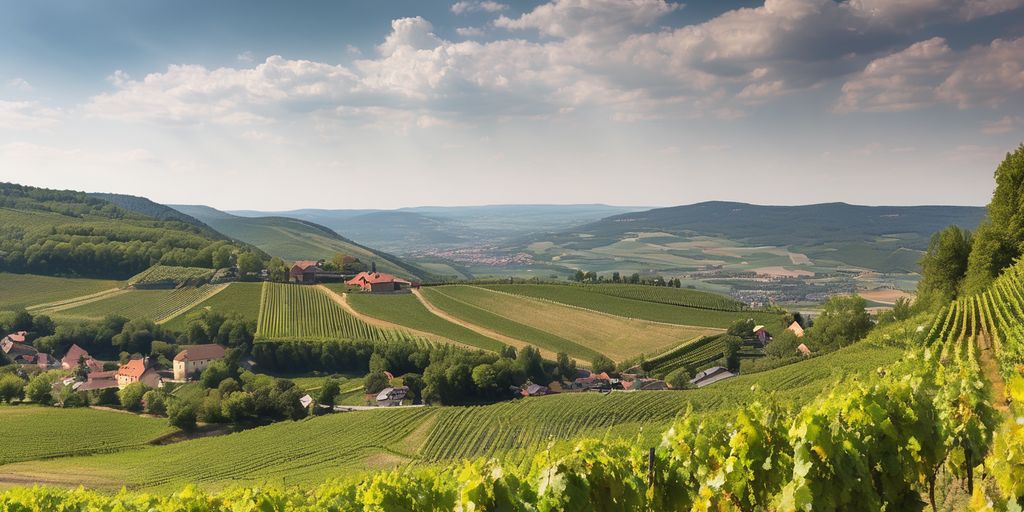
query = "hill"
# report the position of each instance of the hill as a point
(65, 232)
(295, 239)
(425, 228)
(152, 209)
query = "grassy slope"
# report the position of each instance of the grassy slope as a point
(631, 308)
(312, 450)
(152, 304)
(408, 311)
(24, 290)
(501, 325)
(241, 298)
(617, 337)
(33, 432)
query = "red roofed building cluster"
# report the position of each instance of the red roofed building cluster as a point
(377, 282)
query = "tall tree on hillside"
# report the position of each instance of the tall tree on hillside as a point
(944, 266)
(1000, 238)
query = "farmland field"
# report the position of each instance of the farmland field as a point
(343, 444)
(240, 298)
(33, 432)
(24, 290)
(161, 274)
(297, 312)
(617, 337)
(590, 298)
(155, 305)
(407, 310)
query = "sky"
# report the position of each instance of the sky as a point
(343, 104)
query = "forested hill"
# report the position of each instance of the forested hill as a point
(295, 239)
(63, 232)
(152, 209)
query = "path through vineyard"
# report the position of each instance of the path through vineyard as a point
(990, 369)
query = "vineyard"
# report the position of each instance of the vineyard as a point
(29, 291)
(67, 432)
(238, 298)
(627, 301)
(408, 311)
(700, 352)
(164, 276)
(295, 312)
(616, 337)
(156, 305)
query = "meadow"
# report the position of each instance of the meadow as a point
(156, 305)
(238, 298)
(408, 311)
(616, 337)
(33, 432)
(19, 291)
(616, 300)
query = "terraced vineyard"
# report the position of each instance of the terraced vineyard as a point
(1002, 316)
(698, 353)
(164, 275)
(296, 312)
(408, 311)
(240, 298)
(591, 297)
(31, 432)
(19, 291)
(155, 305)
(617, 337)
(675, 296)
(289, 452)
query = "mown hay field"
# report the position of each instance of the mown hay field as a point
(408, 311)
(18, 291)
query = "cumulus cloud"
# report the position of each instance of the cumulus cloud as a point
(930, 72)
(27, 115)
(603, 54)
(469, 31)
(477, 6)
(20, 84)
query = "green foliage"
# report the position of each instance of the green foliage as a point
(329, 392)
(40, 387)
(1000, 239)
(165, 276)
(843, 320)
(944, 266)
(602, 364)
(131, 396)
(12, 388)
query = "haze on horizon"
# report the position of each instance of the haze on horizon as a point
(273, 106)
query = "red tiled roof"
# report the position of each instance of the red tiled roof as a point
(304, 264)
(200, 352)
(134, 369)
(74, 354)
(17, 337)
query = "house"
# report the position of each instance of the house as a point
(532, 389)
(305, 401)
(594, 382)
(74, 355)
(138, 370)
(100, 380)
(796, 329)
(304, 271)
(803, 350)
(16, 337)
(711, 376)
(193, 359)
(14, 347)
(761, 334)
(390, 397)
(376, 282)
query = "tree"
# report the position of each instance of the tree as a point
(843, 320)
(11, 388)
(375, 382)
(131, 396)
(579, 276)
(783, 345)
(566, 367)
(155, 401)
(42, 325)
(679, 378)
(216, 372)
(485, 378)
(733, 344)
(742, 328)
(249, 264)
(329, 391)
(602, 364)
(222, 256)
(616, 277)
(999, 240)
(238, 407)
(532, 364)
(277, 270)
(944, 266)
(414, 382)
(40, 388)
(182, 414)
(378, 364)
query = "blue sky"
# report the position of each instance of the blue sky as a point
(286, 105)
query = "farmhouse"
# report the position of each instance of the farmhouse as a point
(304, 271)
(138, 370)
(711, 376)
(532, 389)
(796, 329)
(100, 380)
(15, 348)
(803, 350)
(194, 359)
(390, 397)
(376, 282)
(76, 354)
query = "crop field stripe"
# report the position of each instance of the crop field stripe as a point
(200, 297)
(54, 307)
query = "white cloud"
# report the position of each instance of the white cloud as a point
(465, 6)
(1004, 125)
(594, 18)
(930, 72)
(27, 115)
(469, 31)
(246, 57)
(409, 33)
(19, 84)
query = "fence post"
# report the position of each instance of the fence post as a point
(650, 468)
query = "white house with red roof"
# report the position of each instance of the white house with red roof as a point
(137, 370)
(376, 282)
